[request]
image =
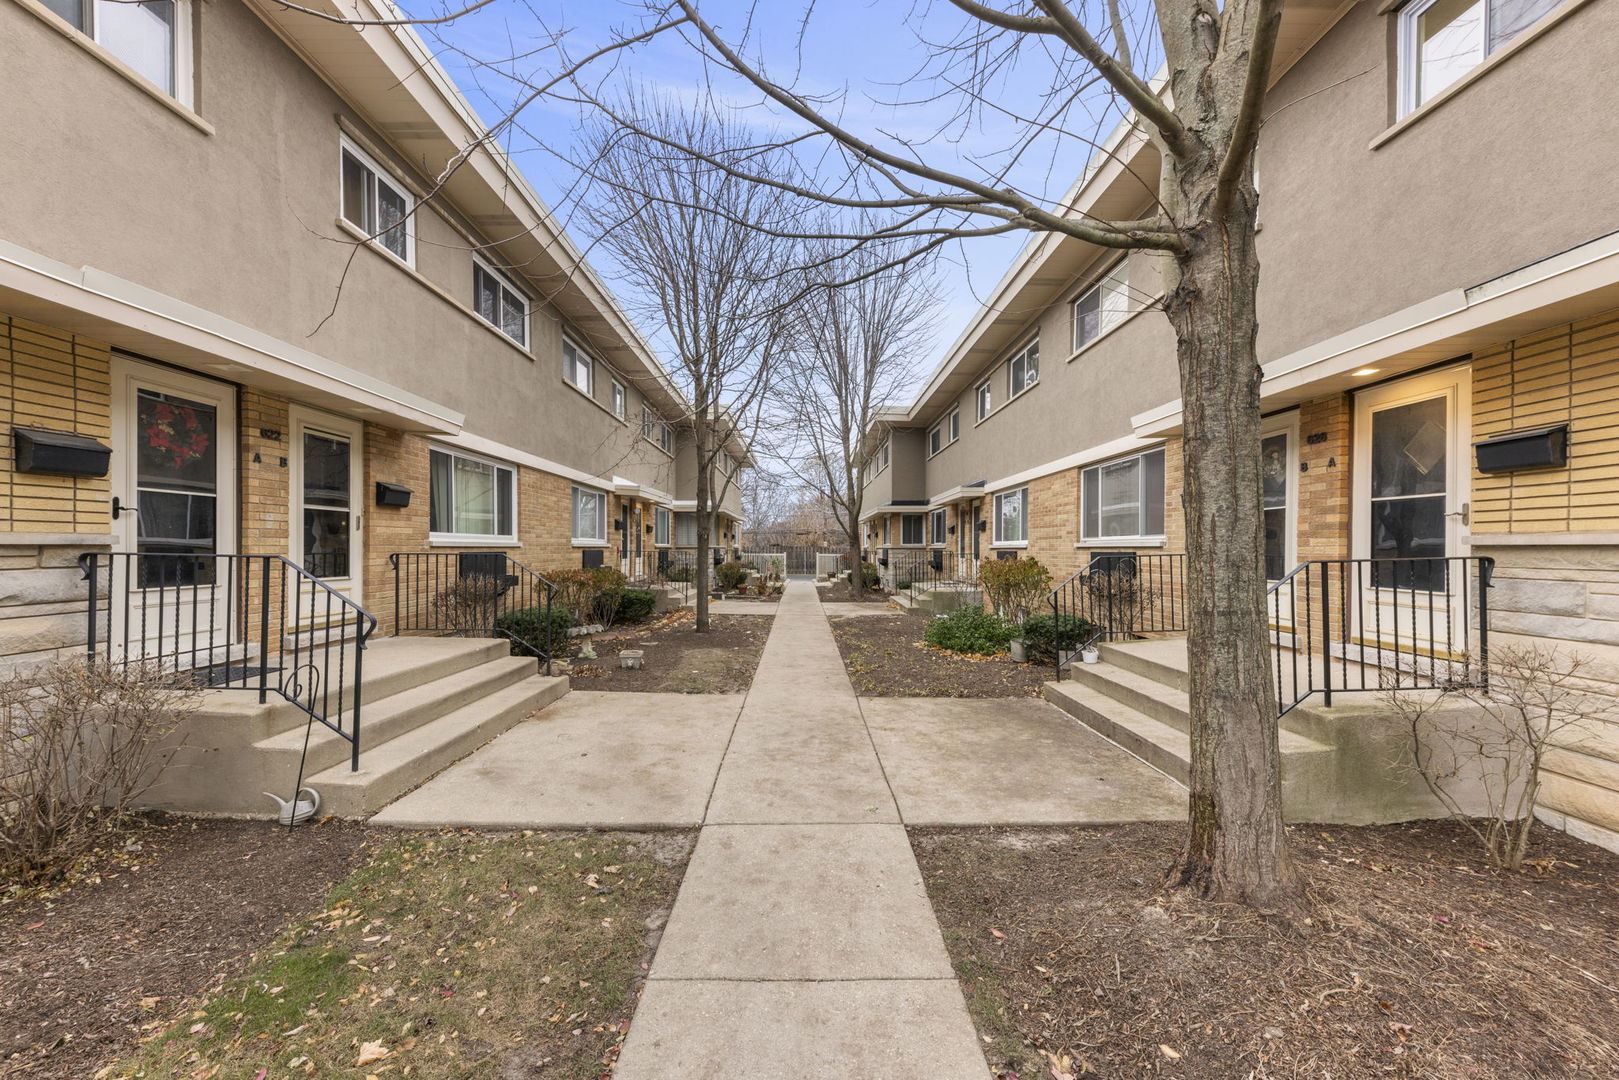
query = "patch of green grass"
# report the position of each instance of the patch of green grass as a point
(447, 956)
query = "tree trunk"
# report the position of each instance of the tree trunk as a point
(857, 579)
(1236, 847)
(704, 572)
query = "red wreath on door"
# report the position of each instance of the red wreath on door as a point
(178, 431)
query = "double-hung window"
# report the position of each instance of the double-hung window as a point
(660, 526)
(1012, 516)
(954, 425)
(1024, 370)
(470, 498)
(589, 516)
(1123, 499)
(152, 38)
(376, 205)
(620, 400)
(935, 439)
(577, 367)
(685, 530)
(882, 456)
(986, 399)
(1442, 40)
(936, 528)
(1101, 307)
(498, 304)
(910, 530)
(658, 430)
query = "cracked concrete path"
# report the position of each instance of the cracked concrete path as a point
(802, 945)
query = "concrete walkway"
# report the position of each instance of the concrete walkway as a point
(802, 945)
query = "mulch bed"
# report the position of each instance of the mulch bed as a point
(885, 657)
(841, 592)
(678, 659)
(171, 907)
(1418, 960)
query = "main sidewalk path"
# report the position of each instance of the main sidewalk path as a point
(802, 944)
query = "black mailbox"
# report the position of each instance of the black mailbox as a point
(62, 452)
(1534, 448)
(392, 494)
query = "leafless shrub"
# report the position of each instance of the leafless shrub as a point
(1119, 599)
(79, 743)
(1533, 696)
(468, 606)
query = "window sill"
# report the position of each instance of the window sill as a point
(996, 410)
(1009, 545)
(1417, 115)
(658, 446)
(578, 543)
(1122, 541)
(106, 57)
(473, 541)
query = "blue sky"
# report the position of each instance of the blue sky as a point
(873, 53)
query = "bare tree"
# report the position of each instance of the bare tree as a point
(862, 334)
(704, 253)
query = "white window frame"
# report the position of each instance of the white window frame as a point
(883, 454)
(984, 399)
(1406, 59)
(936, 438)
(995, 512)
(508, 539)
(937, 528)
(621, 399)
(182, 54)
(921, 530)
(657, 431)
(379, 175)
(1139, 537)
(1029, 357)
(505, 283)
(1112, 292)
(955, 425)
(662, 526)
(581, 360)
(601, 516)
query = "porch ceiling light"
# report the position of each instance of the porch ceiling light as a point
(1364, 371)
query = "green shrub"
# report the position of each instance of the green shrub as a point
(902, 584)
(970, 630)
(869, 574)
(1043, 635)
(526, 629)
(730, 575)
(636, 605)
(590, 595)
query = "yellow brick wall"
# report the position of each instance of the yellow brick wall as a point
(1325, 481)
(1568, 374)
(265, 492)
(52, 379)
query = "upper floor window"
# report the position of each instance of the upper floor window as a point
(1442, 40)
(498, 304)
(470, 498)
(985, 399)
(882, 456)
(910, 529)
(1101, 307)
(373, 203)
(1012, 516)
(589, 515)
(1024, 370)
(577, 367)
(944, 433)
(1123, 499)
(657, 429)
(152, 37)
(620, 400)
(954, 424)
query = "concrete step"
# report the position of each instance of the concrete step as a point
(398, 765)
(1141, 693)
(398, 713)
(1162, 661)
(1165, 748)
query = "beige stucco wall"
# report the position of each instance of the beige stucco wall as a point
(239, 222)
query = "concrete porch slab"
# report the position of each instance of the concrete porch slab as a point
(802, 902)
(594, 759)
(1010, 761)
(896, 1029)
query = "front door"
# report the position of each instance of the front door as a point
(1279, 472)
(1410, 510)
(174, 509)
(325, 481)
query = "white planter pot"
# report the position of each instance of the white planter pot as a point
(1090, 656)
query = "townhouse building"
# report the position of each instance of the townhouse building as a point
(270, 291)
(1439, 314)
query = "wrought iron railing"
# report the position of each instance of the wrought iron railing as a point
(942, 570)
(1118, 595)
(1351, 625)
(475, 594)
(255, 623)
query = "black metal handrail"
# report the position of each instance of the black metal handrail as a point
(256, 623)
(941, 568)
(1120, 594)
(475, 594)
(1355, 625)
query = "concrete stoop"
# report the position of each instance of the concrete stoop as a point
(428, 702)
(1343, 765)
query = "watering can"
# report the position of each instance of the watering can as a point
(300, 811)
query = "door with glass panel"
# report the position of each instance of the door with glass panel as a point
(1278, 483)
(1410, 511)
(324, 484)
(173, 477)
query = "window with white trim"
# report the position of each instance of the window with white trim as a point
(1012, 516)
(577, 367)
(470, 498)
(589, 515)
(935, 439)
(1442, 40)
(1101, 307)
(910, 530)
(1023, 370)
(498, 304)
(1123, 499)
(660, 526)
(936, 528)
(152, 38)
(955, 424)
(985, 397)
(620, 400)
(882, 456)
(656, 429)
(376, 205)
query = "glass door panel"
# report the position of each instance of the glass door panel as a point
(328, 504)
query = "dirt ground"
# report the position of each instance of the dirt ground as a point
(840, 592)
(1418, 960)
(678, 660)
(885, 657)
(175, 905)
